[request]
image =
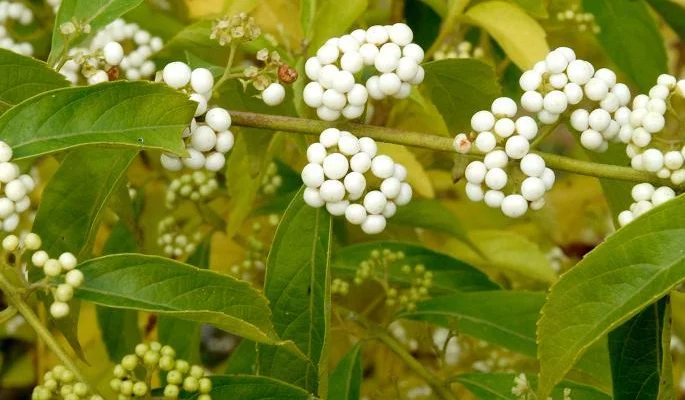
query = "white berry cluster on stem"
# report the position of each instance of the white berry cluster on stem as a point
(150, 358)
(173, 241)
(16, 189)
(645, 197)
(341, 62)
(653, 146)
(208, 137)
(337, 176)
(60, 382)
(104, 58)
(195, 186)
(505, 142)
(14, 12)
(562, 83)
(54, 270)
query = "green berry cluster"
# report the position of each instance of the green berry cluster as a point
(256, 251)
(173, 241)
(195, 186)
(421, 282)
(583, 21)
(148, 358)
(61, 383)
(462, 50)
(271, 181)
(339, 286)
(53, 269)
(379, 264)
(237, 28)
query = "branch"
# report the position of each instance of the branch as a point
(438, 143)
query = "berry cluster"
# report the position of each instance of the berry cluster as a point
(52, 268)
(380, 262)
(463, 50)
(14, 12)
(562, 81)
(340, 61)
(503, 139)
(208, 137)
(61, 383)
(195, 186)
(650, 148)
(16, 189)
(152, 357)
(339, 286)
(271, 181)
(173, 241)
(256, 252)
(335, 177)
(645, 197)
(104, 58)
(583, 21)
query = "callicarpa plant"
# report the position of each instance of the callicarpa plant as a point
(342, 200)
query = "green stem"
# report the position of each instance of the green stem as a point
(441, 391)
(439, 143)
(546, 131)
(227, 71)
(456, 7)
(15, 300)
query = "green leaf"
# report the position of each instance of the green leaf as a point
(672, 12)
(183, 335)
(630, 270)
(536, 8)
(119, 327)
(506, 318)
(333, 20)
(307, 17)
(430, 214)
(460, 88)
(297, 284)
(138, 115)
(246, 387)
(23, 77)
(520, 36)
(450, 275)
(96, 13)
(243, 360)
(497, 386)
(639, 360)
(643, 57)
(159, 285)
(74, 200)
(346, 380)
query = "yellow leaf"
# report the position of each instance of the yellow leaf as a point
(521, 37)
(281, 19)
(204, 8)
(417, 178)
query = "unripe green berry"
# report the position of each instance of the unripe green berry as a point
(151, 358)
(197, 372)
(10, 243)
(155, 346)
(204, 397)
(48, 376)
(119, 371)
(115, 384)
(67, 376)
(64, 292)
(166, 363)
(32, 241)
(57, 370)
(126, 388)
(182, 366)
(71, 396)
(80, 389)
(129, 362)
(141, 349)
(168, 351)
(171, 391)
(50, 384)
(66, 389)
(174, 377)
(52, 267)
(190, 384)
(205, 385)
(123, 397)
(140, 389)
